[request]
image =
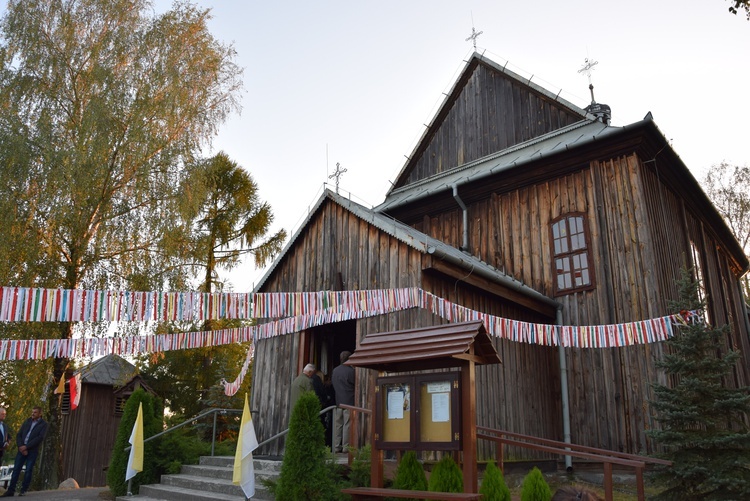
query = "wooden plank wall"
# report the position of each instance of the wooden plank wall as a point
(88, 435)
(522, 394)
(638, 244)
(491, 113)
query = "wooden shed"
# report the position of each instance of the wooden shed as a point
(519, 204)
(90, 430)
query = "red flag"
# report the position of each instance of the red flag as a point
(75, 391)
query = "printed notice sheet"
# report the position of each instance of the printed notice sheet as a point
(395, 405)
(440, 407)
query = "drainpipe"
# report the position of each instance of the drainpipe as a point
(465, 244)
(564, 393)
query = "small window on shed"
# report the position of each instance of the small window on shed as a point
(65, 404)
(573, 270)
(120, 405)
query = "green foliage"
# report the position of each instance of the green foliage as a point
(410, 474)
(178, 447)
(728, 187)
(534, 487)
(702, 418)
(304, 473)
(189, 380)
(446, 476)
(103, 104)
(493, 486)
(359, 475)
(152, 424)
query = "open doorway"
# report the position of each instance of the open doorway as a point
(322, 345)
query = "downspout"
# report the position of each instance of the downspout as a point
(465, 231)
(564, 393)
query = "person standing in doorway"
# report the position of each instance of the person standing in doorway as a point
(29, 438)
(5, 433)
(301, 384)
(343, 385)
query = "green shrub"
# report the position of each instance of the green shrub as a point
(494, 487)
(534, 487)
(179, 447)
(359, 476)
(305, 474)
(446, 476)
(410, 474)
(152, 424)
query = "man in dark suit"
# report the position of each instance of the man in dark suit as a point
(5, 433)
(29, 438)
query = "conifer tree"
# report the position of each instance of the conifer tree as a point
(446, 476)
(534, 487)
(152, 424)
(410, 474)
(704, 421)
(304, 474)
(493, 486)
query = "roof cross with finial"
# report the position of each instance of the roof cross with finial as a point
(474, 34)
(586, 70)
(337, 174)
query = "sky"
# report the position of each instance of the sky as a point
(354, 82)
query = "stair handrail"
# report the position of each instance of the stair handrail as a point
(282, 433)
(607, 457)
(203, 414)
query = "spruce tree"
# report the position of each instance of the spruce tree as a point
(534, 487)
(410, 474)
(153, 423)
(704, 421)
(494, 487)
(446, 476)
(304, 474)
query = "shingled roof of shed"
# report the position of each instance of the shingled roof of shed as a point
(434, 347)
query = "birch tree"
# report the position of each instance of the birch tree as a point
(103, 103)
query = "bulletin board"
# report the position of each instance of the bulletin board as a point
(419, 412)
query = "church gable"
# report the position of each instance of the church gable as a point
(489, 109)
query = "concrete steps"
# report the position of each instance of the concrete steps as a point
(209, 480)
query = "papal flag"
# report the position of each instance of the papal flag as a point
(244, 473)
(135, 461)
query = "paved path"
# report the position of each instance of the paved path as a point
(85, 494)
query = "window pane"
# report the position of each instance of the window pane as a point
(556, 230)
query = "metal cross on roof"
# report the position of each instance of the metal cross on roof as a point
(337, 174)
(474, 35)
(587, 67)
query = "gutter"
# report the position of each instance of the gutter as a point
(465, 214)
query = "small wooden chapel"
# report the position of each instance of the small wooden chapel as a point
(519, 204)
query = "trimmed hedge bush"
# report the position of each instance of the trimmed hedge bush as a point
(494, 487)
(152, 424)
(410, 474)
(534, 487)
(446, 476)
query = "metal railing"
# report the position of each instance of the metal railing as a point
(192, 420)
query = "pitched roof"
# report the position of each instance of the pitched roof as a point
(434, 347)
(561, 140)
(111, 370)
(455, 94)
(415, 239)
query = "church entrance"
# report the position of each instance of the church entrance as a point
(322, 345)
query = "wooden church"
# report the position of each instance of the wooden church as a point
(519, 204)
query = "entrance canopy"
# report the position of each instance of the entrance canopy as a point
(435, 347)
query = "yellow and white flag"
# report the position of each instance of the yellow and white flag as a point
(135, 461)
(244, 473)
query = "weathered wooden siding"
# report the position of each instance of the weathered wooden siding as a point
(521, 394)
(639, 241)
(491, 113)
(88, 435)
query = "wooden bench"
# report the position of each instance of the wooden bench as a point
(365, 493)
